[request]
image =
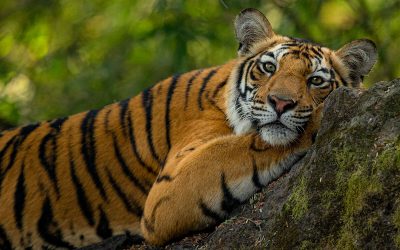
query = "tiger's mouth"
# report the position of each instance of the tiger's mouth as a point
(277, 133)
(277, 124)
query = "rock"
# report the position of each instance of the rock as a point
(344, 194)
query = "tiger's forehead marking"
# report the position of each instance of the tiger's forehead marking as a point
(313, 54)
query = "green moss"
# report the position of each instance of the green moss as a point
(305, 244)
(359, 186)
(298, 200)
(356, 182)
(388, 159)
(347, 239)
(396, 222)
(328, 198)
(347, 193)
(346, 158)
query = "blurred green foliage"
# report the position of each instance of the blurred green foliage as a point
(62, 57)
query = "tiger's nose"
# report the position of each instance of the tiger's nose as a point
(281, 104)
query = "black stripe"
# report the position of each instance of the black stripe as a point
(213, 103)
(318, 48)
(272, 44)
(325, 70)
(23, 134)
(164, 177)
(209, 212)
(291, 44)
(333, 75)
(255, 178)
(248, 87)
(125, 168)
(270, 54)
(259, 69)
(5, 242)
(307, 57)
(82, 198)
(128, 203)
(229, 202)
(15, 142)
(57, 123)
(189, 86)
(316, 52)
(219, 87)
(123, 105)
(171, 89)
(48, 228)
(26, 130)
(318, 59)
(240, 76)
(147, 101)
(206, 79)
(281, 48)
(150, 224)
(133, 145)
(88, 149)
(304, 111)
(250, 65)
(5, 148)
(238, 107)
(19, 198)
(103, 229)
(48, 160)
(259, 108)
(240, 73)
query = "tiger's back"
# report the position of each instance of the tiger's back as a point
(73, 181)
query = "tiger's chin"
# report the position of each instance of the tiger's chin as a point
(277, 134)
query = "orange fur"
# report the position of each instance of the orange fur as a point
(174, 159)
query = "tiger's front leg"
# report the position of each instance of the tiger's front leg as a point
(203, 188)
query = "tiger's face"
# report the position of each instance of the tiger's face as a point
(279, 81)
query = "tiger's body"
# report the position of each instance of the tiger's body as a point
(179, 156)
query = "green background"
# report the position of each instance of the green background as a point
(61, 57)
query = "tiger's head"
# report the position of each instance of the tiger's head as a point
(280, 81)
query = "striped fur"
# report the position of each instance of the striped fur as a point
(178, 157)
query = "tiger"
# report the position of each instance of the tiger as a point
(181, 155)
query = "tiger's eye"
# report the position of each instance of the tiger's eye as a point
(316, 80)
(269, 67)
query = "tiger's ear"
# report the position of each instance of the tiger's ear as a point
(358, 56)
(251, 26)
